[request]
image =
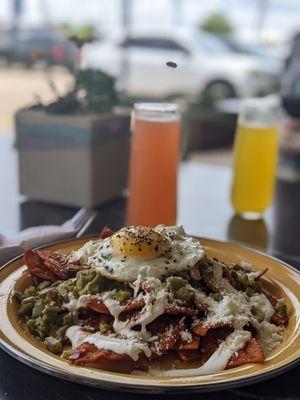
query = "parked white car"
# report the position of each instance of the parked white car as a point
(204, 63)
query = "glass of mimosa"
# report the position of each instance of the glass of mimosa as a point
(255, 156)
(155, 152)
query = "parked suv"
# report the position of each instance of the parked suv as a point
(28, 45)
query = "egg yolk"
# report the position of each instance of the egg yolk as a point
(140, 241)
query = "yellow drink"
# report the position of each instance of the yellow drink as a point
(255, 157)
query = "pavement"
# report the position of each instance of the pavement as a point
(20, 87)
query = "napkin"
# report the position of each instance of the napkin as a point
(32, 237)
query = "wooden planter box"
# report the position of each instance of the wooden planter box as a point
(75, 160)
(215, 131)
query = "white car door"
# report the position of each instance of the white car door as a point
(104, 55)
(148, 75)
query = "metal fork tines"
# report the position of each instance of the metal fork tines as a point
(81, 221)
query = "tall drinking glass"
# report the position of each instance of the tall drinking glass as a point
(155, 148)
(255, 156)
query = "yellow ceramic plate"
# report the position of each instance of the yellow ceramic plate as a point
(282, 280)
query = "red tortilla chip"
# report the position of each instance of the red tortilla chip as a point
(189, 355)
(46, 265)
(272, 299)
(55, 262)
(193, 345)
(37, 267)
(251, 354)
(175, 309)
(168, 338)
(228, 275)
(106, 232)
(278, 319)
(211, 341)
(87, 353)
(132, 305)
(262, 273)
(200, 305)
(89, 324)
(98, 306)
(202, 329)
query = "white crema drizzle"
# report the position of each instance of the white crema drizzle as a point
(129, 342)
(217, 362)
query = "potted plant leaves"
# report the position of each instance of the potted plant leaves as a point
(74, 151)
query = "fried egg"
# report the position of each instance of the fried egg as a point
(142, 251)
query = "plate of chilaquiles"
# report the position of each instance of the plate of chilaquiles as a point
(151, 310)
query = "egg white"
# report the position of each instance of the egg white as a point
(184, 254)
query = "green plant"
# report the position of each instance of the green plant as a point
(93, 92)
(217, 23)
(83, 32)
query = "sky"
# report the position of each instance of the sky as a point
(282, 19)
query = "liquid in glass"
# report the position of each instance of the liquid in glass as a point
(155, 148)
(255, 158)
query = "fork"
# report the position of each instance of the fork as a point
(40, 235)
(81, 221)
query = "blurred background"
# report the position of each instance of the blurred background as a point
(70, 72)
(223, 49)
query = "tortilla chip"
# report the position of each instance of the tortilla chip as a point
(98, 306)
(202, 329)
(251, 354)
(211, 341)
(90, 356)
(278, 319)
(199, 304)
(55, 262)
(106, 232)
(228, 275)
(193, 345)
(175, 309)
(189, 355)
(37, 267)
(132, 305)
(168, 338)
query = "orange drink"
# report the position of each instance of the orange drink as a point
(155, 148)
(255, 157)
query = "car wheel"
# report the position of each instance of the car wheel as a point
(219, 90)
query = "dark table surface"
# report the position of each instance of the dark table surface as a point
(204, 210)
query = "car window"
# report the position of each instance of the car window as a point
(254, 48)
(211, 44)
(153, 43)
